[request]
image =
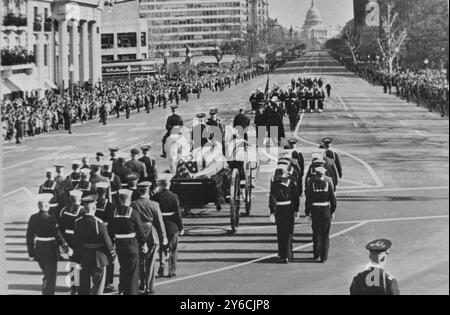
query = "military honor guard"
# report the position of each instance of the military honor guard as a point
(128, 234)
(284, 204)
(320, 206)
(374, 280)
(44, 241)
(155, 233)
(93, 249)
(136, 167)
(150, 165)
(332, 154)
(173, 222)
(85, 186)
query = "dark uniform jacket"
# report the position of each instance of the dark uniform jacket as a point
(67, 219)
(95, 179)
(93, 247)
(280, 193)
(105, 211)
(319, 191)
(137, 168)
(170, 208)
(150, 166)
(87, 188)
(242, 121)
(127, 221)
(172, 121)
(384, 284)
(337, 161)
(44, 226)
(151, 219)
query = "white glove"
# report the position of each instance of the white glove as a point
(165, 241)
(182, 233)
(144, 249)
(70, 252)
(332, 216)
(272, 218)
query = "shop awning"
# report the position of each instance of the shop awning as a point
(7, 88)
(24, 82)
(50, 85)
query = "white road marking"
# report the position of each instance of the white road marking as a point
(355, 124)
(254, 260)
(394, 189)
(355, 183)
(26, 190)
(371, 171)
(343, 103)
(33, 160)
(386, 220)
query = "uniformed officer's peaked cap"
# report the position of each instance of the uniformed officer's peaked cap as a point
(292, 142)
(174, 106)
(99, 154)
(107, 163)
(113, 149)
(44, 197)
(76, 193)
(320, 170)
(201, 115)
(327, 140)
(58, 167)
(135, 151)
(213, 111)
(89, 199)
(132, 177)
(76, 163)
(379, 246)
(144, 185)
(146, 148)
(101, 186)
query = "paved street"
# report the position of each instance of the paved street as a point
(396, 173)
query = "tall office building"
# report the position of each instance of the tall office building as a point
(258, 14)
(178, 27)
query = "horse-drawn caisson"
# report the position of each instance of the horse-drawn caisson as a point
(221, 170)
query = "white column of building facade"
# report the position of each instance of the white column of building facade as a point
(74, 52)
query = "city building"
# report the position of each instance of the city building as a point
(258, 14)
(34, 36)
(124, 41)
(195, 27)
(314, 33)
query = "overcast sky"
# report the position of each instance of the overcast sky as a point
(334, 12)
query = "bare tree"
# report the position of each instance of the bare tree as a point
(353, 39)
(394, 37)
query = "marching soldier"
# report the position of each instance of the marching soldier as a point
(105, 212)
(320, 206)
(43, 243)
(85, 186)
(284, 207)
(94, 250)
(138, 168)
(216, 127)
(242, 122)
(172, 121)
(332, 155)
(132, 182)
(374, 280)
(114, 181)
(85, 163)
(50, 186)
(328, 88)
(155, 234)
(99, 156)
(67, 219)
(128, 234)
(320, 95)
(150, 165)
(103, 114)
(75, 176)
(113, 157)
(173, 222)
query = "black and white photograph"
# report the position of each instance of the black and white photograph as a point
(225, 153)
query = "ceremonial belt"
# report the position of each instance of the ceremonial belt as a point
(125, 236)
(321, 204)
(71, 232)
(44, 239)
(284, 203)
(167, 214)
(92, 246)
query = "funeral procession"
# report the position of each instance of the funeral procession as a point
(218, 148)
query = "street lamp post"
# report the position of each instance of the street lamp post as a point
(71, 70)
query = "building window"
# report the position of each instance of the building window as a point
(143, 39)
(107, 58)
(125, 40)
(45, 55)
(127, 57)
(107, 41)
(35, 53)
(144, 56)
